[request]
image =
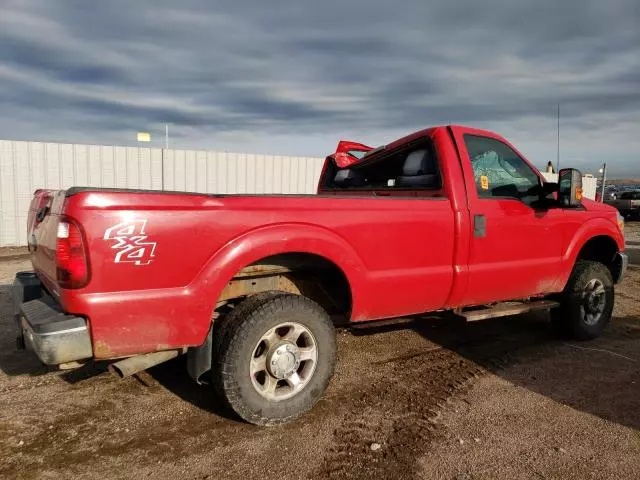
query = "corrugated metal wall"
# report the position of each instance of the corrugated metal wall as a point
(26, 166)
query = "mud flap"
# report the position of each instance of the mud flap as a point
(199, 360)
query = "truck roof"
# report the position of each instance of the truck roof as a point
(414, 136)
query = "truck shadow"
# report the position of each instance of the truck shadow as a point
(600, 377)
(172, 376)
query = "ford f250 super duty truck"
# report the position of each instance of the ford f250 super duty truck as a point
(250, 287)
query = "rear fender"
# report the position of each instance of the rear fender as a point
(272, 240)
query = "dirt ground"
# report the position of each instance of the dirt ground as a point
(499, 399)
(632, 232)
(13, 253)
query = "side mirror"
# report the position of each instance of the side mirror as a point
(570, 188)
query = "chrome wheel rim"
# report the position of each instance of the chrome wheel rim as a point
(593, 302)
(283, 361)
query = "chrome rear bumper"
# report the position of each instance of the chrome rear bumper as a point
(54, 336)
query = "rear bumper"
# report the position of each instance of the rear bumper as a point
(620, 266)
(54, 336)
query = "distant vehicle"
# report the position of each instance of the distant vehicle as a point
(627, 203)
(451, 220)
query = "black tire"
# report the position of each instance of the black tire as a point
(220, 332)
(237, 348)
(577, 317)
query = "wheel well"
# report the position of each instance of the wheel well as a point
(305, 274)
(601, 249)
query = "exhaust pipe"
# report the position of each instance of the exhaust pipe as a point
(132, 365)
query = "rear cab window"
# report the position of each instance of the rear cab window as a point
(411, 169)
(499, 172)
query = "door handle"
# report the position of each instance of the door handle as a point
(479, 226)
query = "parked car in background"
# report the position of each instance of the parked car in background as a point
(452, 220)
(627, 203)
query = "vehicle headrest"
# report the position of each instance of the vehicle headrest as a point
(419, 162)
(348, 178)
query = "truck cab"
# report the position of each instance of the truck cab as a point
(517, 238)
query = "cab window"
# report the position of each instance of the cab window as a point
(499, 171)
(409, 170)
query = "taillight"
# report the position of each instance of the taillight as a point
(71, 258)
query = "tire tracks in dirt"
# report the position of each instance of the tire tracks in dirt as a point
(401, 412)
(400, 415)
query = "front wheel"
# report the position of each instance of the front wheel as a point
(586, 304)
(277, 360)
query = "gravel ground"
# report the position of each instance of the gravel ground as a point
(632, 238)
(496, 399)
(632, 232)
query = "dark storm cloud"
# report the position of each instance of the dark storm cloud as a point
(287, 73)
(38, 59)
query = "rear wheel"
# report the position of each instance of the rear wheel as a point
(221, 330)
(586, 304)
(275, 363)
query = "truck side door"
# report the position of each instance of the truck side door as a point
(515, 247)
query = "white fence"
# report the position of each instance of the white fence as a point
(26, 166)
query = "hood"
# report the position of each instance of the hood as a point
(594, 206)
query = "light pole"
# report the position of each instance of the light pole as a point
(603, 171)
(558, 145)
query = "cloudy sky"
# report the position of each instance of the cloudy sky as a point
(295, 77)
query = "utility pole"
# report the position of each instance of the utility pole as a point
(558, 152)
(603, 170)
(166, 135)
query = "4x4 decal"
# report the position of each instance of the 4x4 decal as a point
(132, 243)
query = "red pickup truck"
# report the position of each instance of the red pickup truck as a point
(250, 287)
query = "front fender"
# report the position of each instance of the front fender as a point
(271, 240)
(591, 228)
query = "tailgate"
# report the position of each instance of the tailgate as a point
(42, 228)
